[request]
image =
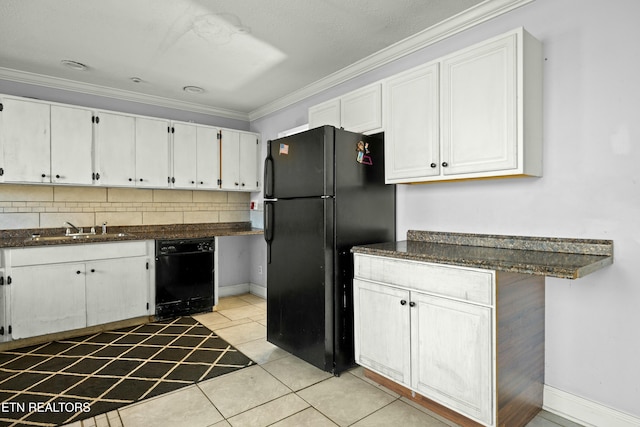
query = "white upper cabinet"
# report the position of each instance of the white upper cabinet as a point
(412, 138)
(71, 145)
(208, 158)
(184, 155)
(327, 113)
(239, 154)
(357, 111)
(361, 110)
(249, 153)
(488, 120)
(115, 149)
(195, 156)
(51, 143)
(24, 141)
(152, 152)
(479, 109)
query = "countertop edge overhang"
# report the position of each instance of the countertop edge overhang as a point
(565, 258)
(20, 238)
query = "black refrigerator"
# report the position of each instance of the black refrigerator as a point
(324, 193)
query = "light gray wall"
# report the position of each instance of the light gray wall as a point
(234, 260)
(590, 187)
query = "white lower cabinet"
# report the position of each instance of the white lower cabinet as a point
(384, 344)
(435, 345)
(59, 288)
(116, 289)
(451, 353)
(47, 299)
(467, 343)
(4, 332)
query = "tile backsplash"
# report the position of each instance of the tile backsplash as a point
(35, 206)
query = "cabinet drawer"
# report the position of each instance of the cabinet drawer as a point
(76, 253)
(463, 283)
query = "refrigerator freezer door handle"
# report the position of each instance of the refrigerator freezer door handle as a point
(268, 173)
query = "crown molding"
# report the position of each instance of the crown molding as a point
(91, 89)
(482, 12)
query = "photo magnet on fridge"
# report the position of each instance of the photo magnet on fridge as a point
(363, 157)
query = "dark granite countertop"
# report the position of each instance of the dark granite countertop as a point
(555, 257)
(21, 237)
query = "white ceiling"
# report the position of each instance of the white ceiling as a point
(246, 54)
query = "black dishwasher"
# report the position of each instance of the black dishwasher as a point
(184, 277)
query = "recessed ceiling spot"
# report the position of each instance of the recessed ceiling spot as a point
(74, 65)
(193, 89)
(136, 79)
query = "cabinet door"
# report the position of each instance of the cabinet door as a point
(4, 336)
(327, 113)
(381, 330)
(412, 144)
(361, 110)
(152, 152)
(230, 164)
(47, 299)
(184, 156)
(479, 132)
(25, 141)
(452, 354)
(208, 158)
(71, 145)
(248, 162)
(115, 150)
(117, 289)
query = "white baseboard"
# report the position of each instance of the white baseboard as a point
(231, 290)
(258, 290)
(584, 411)
(242, 288)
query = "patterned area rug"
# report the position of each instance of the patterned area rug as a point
(64, 381)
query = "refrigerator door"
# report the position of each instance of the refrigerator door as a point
(300, 165)
(300, 278)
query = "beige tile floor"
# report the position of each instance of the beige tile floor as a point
(280, 390)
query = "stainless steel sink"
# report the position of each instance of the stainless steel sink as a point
(78, 236)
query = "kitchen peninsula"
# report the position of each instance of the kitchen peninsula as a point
(456, 321)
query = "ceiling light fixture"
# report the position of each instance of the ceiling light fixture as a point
(74, 65)
(136, 79)
(193, 89)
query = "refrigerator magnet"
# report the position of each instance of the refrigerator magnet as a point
(363, 156)
(284, 149)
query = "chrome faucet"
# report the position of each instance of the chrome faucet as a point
(68, 224)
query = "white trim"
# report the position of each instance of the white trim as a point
(482, 12)
(231, 290)
(584, 411)
(293, 131)
(242, 288)
(91, 89)
(258, 290)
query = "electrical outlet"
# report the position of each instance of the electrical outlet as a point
(259, 269)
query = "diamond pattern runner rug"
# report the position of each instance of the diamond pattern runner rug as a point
(64, 381)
